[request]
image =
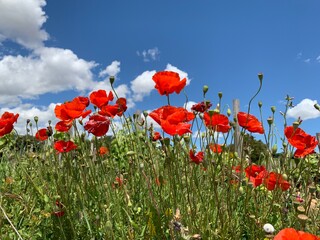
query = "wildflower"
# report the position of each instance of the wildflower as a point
(97, 125)
(268, 228)
(216, 148)
(6, 122)
(168, 82)
(73, 109)
(114, 110)
(173, 120)
(100, 98)
(201, 107)
(42, 134)
(60, 206)
(156, 136)
(304, 142)
(103, 150)
(118, 182)
(276, 180)
(198, 158)
(64, 126)
(64, 146)
(291, 233)
(256, 174)
(250, 122)
(217, 121)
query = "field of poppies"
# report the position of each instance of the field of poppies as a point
(172, 173)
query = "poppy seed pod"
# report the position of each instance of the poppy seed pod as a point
(205, 89)
(270, 120)
(220, 95)
(36, 119)
(273, 109)
(260, 76)
(259, 104)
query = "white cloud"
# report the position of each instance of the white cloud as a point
(47, 70)
(21, 21)
(318, 59)
(305, 110)
(112, 70)
(27, 111)
(181, 73)
(150, 54)
(189, 105)
(142, 85)
(307, 60)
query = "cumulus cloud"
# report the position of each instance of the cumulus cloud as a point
(21, 21)
(189, 105)
(305, 110)
(151, 54)
(112, 70)
(142, 85)
(181, 73)
(46, 70)
(27, 111)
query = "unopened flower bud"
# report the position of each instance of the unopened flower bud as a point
(274, 149)
(285, 177)
(259, 104)
(205, 89)
(273, 109)
(229, 112)
(28, 121)
(145, 114)
(111, 79)
(317, 106)
(36, 119)
(260, 76)
(220, 95)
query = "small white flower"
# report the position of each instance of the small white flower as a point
(268, 228)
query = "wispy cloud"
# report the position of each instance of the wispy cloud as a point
(148, 55)
(305, 110)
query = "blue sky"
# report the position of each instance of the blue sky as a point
(52, 51)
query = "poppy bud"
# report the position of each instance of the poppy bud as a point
(28, 121)
(130, 153)
(111, 79)
(49, 122)
(205, 89)
(274, 149)
(273, 109)
(285, 177)
(36, 119)
(317, 106)
(260, 76)
(220, 95)
(259, 104)
(229, 112)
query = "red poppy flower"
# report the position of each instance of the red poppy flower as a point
(59, 213)
(304, 142)
(168, 82)
(64, 146)
(217, 121)
(64, 126)
(256, 174)
(173, 120)
(42, 134)
(98, 125)
(273, 180)
(201, 107)
(237, 168)
(103, 150)
(73, 109)
(156, 136)
(291, 233)
(216, 148)
(198, 158)
(100, 98)
(6, 122)
(250, 122)
(112, 110)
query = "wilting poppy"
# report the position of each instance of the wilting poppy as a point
(218, 122)
(156, 136)
(304, 142)
(64, 126)
(273, 180)
(42, 134)
(64, 146)
(173, 120)
(196, 158)
(103, 150)
(256, 174)
(201, 107)
(168, 82)
(6, 122)
(73, 109)
(112, 110)
(291, 233)
(250, 122)
(100, 98)
(216, 148)
(98, 125)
